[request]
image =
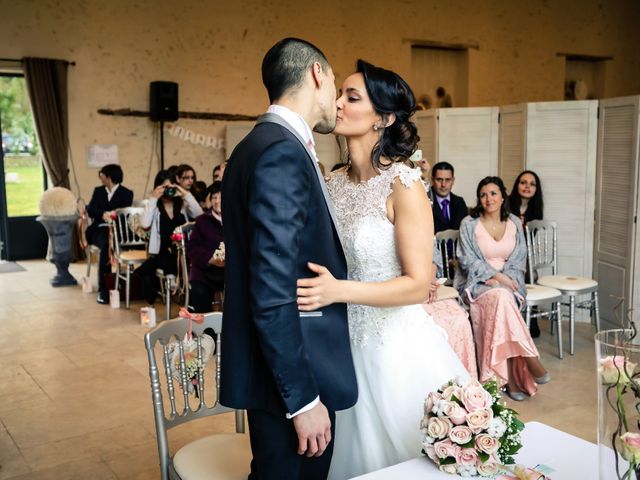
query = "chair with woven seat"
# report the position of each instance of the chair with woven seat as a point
(129, 248)
(542, 241)
(447, 242)
(220, 456)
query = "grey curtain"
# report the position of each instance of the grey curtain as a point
(47, 85)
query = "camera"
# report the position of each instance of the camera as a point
(169, 191)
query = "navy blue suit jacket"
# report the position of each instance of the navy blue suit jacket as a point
(275, 220)
(100, 203)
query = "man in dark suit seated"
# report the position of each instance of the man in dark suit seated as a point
(448, 209)
(108, 197)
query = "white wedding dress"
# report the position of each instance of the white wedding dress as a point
(400, 354)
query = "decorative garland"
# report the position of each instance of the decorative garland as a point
(187, 135)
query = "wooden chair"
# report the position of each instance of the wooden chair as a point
(219, 456)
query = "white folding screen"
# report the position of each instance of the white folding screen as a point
(616, 261)
(561, 142)
(557, 140)
(467, 138)
(326, 145)
(513, 137)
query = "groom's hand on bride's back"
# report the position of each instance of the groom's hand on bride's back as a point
(313, 428)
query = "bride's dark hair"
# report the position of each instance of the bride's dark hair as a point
(389, 93)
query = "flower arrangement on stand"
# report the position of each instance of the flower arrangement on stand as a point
(467, 430)
(618, 356)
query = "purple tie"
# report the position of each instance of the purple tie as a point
(445, 210)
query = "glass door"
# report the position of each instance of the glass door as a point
(23, 179)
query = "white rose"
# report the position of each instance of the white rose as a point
(450, 468)
(438, 427)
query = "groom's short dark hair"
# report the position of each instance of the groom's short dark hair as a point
(286, 63)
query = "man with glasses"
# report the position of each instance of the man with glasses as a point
(106, 198)
(448, 209)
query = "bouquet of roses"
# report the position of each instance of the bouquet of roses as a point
(467, 431)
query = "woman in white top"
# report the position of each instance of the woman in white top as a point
(169, 206)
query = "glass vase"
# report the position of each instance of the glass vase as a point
(618, 374)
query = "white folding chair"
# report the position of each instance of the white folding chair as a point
(129, 249)
(542, 245)
(219, 456)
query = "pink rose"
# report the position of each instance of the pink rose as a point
(430, 401)
(487, 444)
(451, 468)
(438, 427)
(460, 434)
(489, 468)
(615, 370)
(456, 413)
(446, 448)
(467, 456)
(452, 390)
(475, 397)
(430, 450)
(479, 420)
(630, 448)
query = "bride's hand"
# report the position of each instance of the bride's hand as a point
(317, 292)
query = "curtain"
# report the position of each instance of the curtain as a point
(47, 85)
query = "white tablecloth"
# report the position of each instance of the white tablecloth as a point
(570, 457)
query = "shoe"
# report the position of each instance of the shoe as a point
(103, 298)
(515, 396)
(546, 378)
(534, 329)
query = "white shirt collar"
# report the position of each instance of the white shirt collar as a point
(112, 191)
(295, 120)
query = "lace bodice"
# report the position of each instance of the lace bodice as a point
(368, 239)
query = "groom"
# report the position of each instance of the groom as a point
(290, 372)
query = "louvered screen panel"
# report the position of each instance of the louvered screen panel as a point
(616, 176)
(427, 124)
(511, 160)
(561, 149)
(468, 139)
(615, 252)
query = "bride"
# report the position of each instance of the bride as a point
(385, 221)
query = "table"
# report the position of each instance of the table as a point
(570, 457)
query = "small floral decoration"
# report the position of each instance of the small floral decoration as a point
(220, 253)
(467, 430)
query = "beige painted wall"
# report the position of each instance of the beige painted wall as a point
(213, 49)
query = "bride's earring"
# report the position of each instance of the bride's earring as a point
(375, 128)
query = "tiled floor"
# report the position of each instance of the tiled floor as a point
(74, 389)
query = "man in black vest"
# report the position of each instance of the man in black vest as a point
(448, 209)
(108, 197)
(290, 371)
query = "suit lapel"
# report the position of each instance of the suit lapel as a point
(273, 118)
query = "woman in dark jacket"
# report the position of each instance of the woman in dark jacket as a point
(206, 251)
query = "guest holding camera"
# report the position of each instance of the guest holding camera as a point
(168, 207)
(204, 249)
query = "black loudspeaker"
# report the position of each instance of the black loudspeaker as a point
(163, 101)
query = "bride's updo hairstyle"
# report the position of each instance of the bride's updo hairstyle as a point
(389, 93)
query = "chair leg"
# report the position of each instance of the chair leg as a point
(596, 309)
(527, 316)
(167, 296)
(558, 319)
(572, 323)
(127, 286)
(117, 283)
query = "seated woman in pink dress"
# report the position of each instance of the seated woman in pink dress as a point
(452, 318)
(492, 255)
